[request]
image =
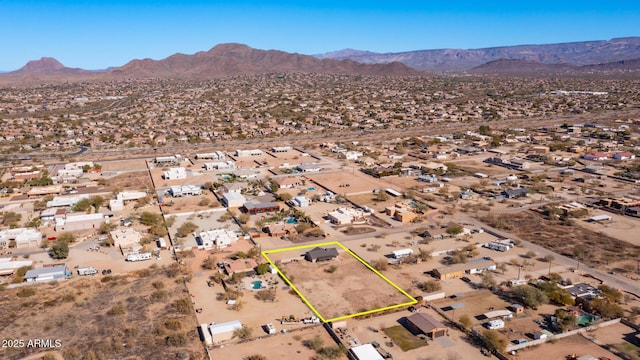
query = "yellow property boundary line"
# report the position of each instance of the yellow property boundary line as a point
(265, 255)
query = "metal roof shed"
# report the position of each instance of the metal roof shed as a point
(600, 218)
(225, 327)
(366, 352)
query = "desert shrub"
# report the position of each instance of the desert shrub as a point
(176, 340)
(158, 285)
(26, 292)
(182, 306)
(173, 324)
(117, 309)
(159, 295)
(315, 343)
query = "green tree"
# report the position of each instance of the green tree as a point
(262, 269)
(488, 281)
(430, 286)
(97, 202)
(59, 250)
(605, 308)
(185, 229)
(465, 320)
(455, 229)
(494, 340)
(148, 218)
(11, 218)
(611, 294)
(82, 205)
(529, 296)
(67, 237)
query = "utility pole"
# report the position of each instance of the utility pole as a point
(549, 273)
(519, 268)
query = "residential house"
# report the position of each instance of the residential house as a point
(288, 182)
(281, 230)
(233, 199)
(309, 167)
(176, 173)
(321, 254)
(219, 238)
(301, 201)
(257, 208)
(624, 155)
(240, 266)
(514, 193)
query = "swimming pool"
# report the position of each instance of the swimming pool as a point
(257, 284)
(292, 220)
(311, 188)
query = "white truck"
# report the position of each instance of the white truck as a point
(138, 256)
(87, 270)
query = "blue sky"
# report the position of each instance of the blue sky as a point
(98, 34)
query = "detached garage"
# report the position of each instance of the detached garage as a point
(420, 323)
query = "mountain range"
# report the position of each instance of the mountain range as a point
(614, 56)
(574, 53)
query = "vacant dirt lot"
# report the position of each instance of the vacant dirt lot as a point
(280, 346)
(559, 349)
(137, 180)
(623, 228)
(143, 315)
(124, 165)
(357, 181)
(595, 249)
(351, 288)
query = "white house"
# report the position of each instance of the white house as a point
(217, 156)
(23, 237)
(176, 173)
(79, 222)
(125, 238)
(281, 149)
(247, 153)
(309, 167)
(220, 165)
(352, 155)
(219, 238)
(342, 216)
(301, 201)
(233, 199)
(185, 190)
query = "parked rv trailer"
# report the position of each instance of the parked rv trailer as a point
(87, 270)
(139, 256)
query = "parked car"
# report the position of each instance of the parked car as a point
(465, 279)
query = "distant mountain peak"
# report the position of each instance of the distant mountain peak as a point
(42, 66)
(344, 54)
